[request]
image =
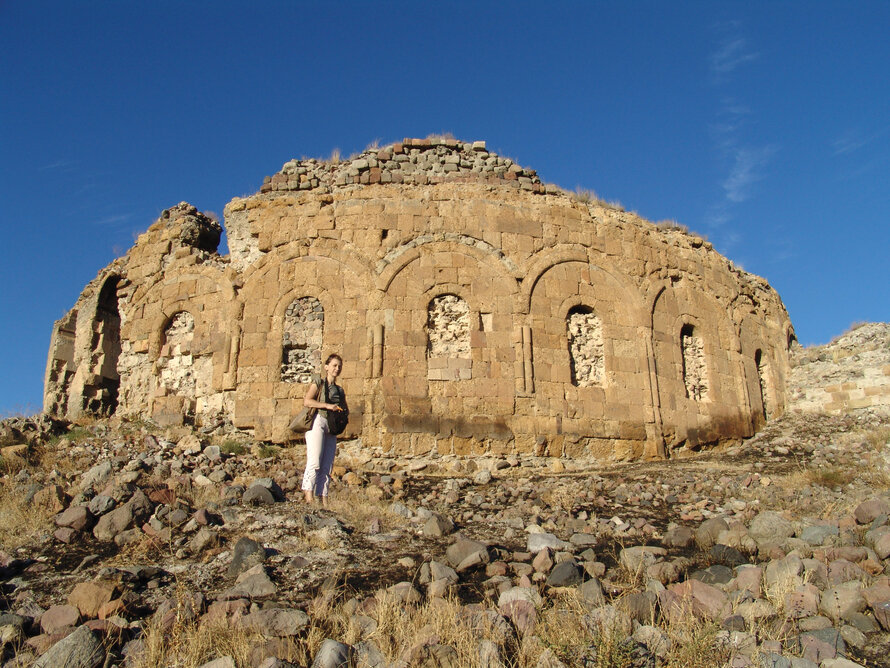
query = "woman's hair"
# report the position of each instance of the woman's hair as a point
(333, 356)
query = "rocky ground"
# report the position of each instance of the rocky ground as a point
(127, 545)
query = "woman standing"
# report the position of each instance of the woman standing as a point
(321, 443)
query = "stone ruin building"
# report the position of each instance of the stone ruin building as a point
(477, 310)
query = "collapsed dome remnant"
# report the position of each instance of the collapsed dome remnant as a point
(477, 310)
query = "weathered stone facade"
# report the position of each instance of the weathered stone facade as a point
(477, 310)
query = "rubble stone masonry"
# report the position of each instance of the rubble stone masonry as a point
(477, 311)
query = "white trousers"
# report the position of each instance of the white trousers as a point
(321, 446)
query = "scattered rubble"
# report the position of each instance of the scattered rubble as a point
(774, 551)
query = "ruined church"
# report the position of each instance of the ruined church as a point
(477, 310)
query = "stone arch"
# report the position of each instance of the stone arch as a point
(541, 262)
(431, 414)
(343, 288)
(303, 336)
(609, 419)
(761, 375)
(343, 252)
(146, 292)
(410, 251)
(685, 419)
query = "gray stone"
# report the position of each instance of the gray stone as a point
(773, 660)
(800, 662)
(638, 558)
(678, 537)
(707, 532)
(583, 540)
(58, 617)
(247, 554)
(75, 517)
(213, 452)
(115, 522)
(332, 654)
(867, 511)
(770, 528)
(519, 594)
(271, 485)
(564, 574)
(257, 495)
(366, 654)
(460, 550)
(818, 534)
(538, 541)
(101, 504)
(278, 622)
(438, 526)
(716, 574)
(98, 475)
(842, 601)
(439, 571)
(252, 583)
(221, 662)
(80, 649)
(591, 594)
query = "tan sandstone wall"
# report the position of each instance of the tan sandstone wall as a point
(476, 309)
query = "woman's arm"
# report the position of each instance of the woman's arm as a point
(309, 399)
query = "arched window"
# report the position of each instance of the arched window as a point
(764, 379)
(302, 340)
(176, 363)
(448, 332)
(695, 370)
(585, 335)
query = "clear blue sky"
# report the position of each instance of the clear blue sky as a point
(764, 126)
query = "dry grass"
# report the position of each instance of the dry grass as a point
(588, 196)
(777, 592)
(439, 136)
(877, 438)
(672, 225)
(831, 476)
(560, 498)
(402, 627)
(191, 643)
(561, 629)
(20, 521)
(356, 508)
(693, 644)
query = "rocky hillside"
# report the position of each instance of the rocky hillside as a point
(125, 544)
(850, 373)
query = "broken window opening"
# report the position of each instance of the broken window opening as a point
(585, 338)
(695, 372)
(176, 363)
(763, 378)
(105, 348)
(448, 339)
(302, 340)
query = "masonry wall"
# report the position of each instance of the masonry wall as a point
(452, 300)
